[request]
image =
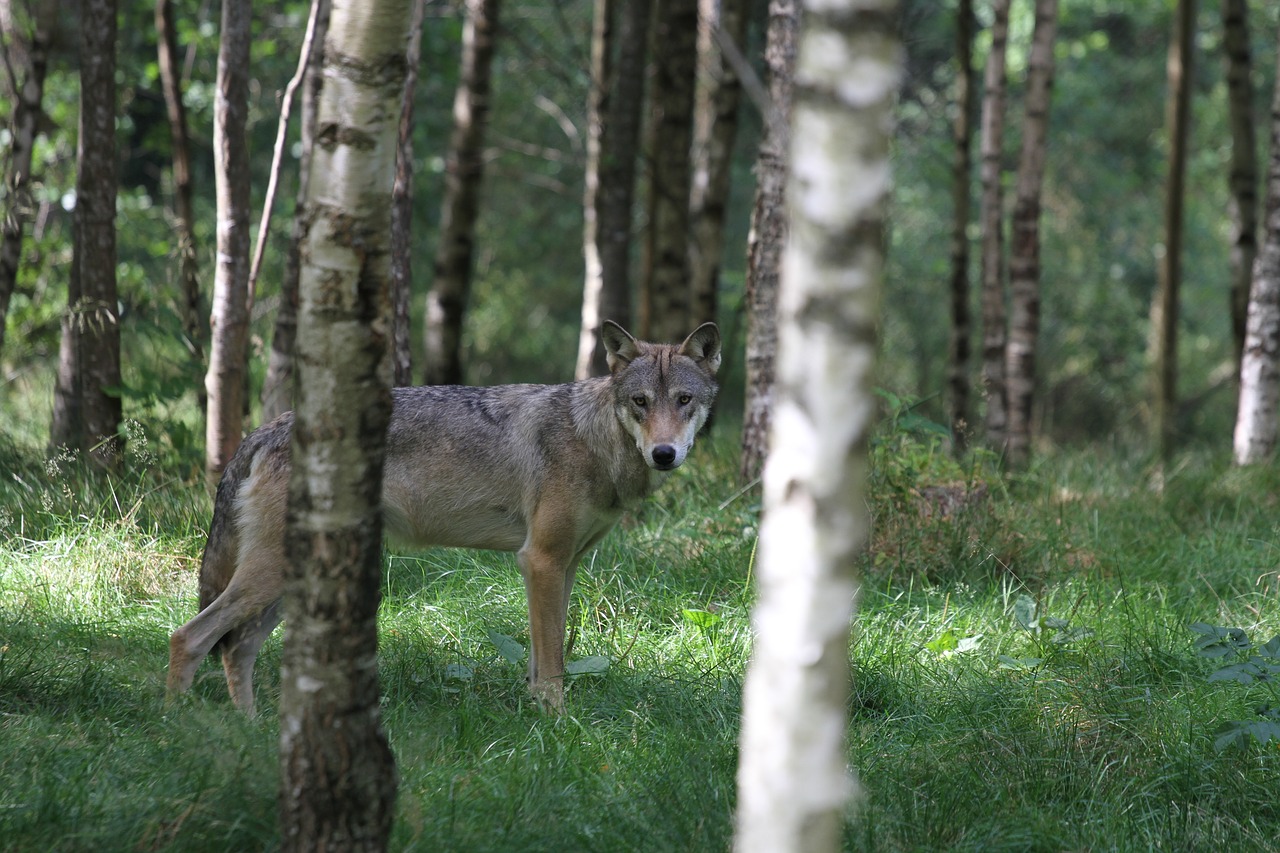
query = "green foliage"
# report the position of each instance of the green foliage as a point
(1257, 668)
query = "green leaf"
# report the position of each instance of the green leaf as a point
(458, 672)
(968, 644)
(704, 619)
(1007, 662)
(593, 665)
(507, 647)
(945, 642)
(1024, 613)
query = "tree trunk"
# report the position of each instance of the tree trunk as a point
(1255, 434)
(715, 128)
(66, 426)
(665, 314)
(402, 210)
(229, 320)
(96, 182)
(793, 784)
(277, 386)
(961, 331)
(994, 330)
(1163, 345)
(1244, 163)
(768, 238)
(618, 41)
(338, 778)
(1024, 249)
(27, 109)
(191, 309)
(464, 169)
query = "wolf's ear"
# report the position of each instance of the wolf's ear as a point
(703, 346)
(620, 349)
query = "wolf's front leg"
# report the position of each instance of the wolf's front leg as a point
(547, 577)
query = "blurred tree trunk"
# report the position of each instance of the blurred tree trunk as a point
(98, 320)
(1255, 433)
(618, 47)
(464, 169)
(277, 386)
(191, 309)
(1163, 346)
(229, 319)
(29, 54)
(402, 210)
(962, 165)
(665, 309)
(1024, 245)
(338, 779)
(66, 427)
(793, 781)
(994, 331)
(768, 237)
(715, 128)
(1244, 163)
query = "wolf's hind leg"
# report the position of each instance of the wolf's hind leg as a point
(240, 649)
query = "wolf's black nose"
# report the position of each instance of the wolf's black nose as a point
(664, 455)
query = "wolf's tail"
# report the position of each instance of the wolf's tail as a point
(223, 545)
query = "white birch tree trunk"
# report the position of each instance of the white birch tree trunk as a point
(338, 779)
(1255, 434)
(793, 782)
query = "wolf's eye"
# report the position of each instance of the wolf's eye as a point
(685, 399)
(640, 401)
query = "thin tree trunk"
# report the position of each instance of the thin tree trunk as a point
(994, 315)
(666, 314)
(464, 169)
(1163, 346)
(768, 238)
(793, 780)
(229, 320)
(1024, 248)
(277, 386)
(96, 182)
(715, 129)
(1255, 433)
(192, 309)
(66, 426)
(1244, 163)
(402, 209)
(338, 780)
(619, 39)
(27, 109)
(962, 165)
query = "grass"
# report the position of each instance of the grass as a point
(1024, 675)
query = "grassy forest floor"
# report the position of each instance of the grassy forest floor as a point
(1025, 674)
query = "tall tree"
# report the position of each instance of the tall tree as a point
(1255, 433)
(191, 309)
(229, 321)
(277, 386)
(793, 784)
(1163, 346)
(98, 317)
(32, 61)
(715, 128)
(618, 41)
(464, 168)
(994, 314)
(962, 165)
(402, 209)
(338, 780)
(768, 237)
(665, 294)
(1244, 162)
(1024, 246)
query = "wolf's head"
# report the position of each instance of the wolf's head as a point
(663, 392)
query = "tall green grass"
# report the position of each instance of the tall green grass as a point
(973, 726)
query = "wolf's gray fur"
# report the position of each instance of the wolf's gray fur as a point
(543, 470)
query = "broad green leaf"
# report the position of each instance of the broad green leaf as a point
(507, 647)
(704, 619)
(945, 642)
(593, 665)
(1024, 612)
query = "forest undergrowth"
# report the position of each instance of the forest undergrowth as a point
(1025, 672)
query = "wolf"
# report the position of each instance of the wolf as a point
(542, 470)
